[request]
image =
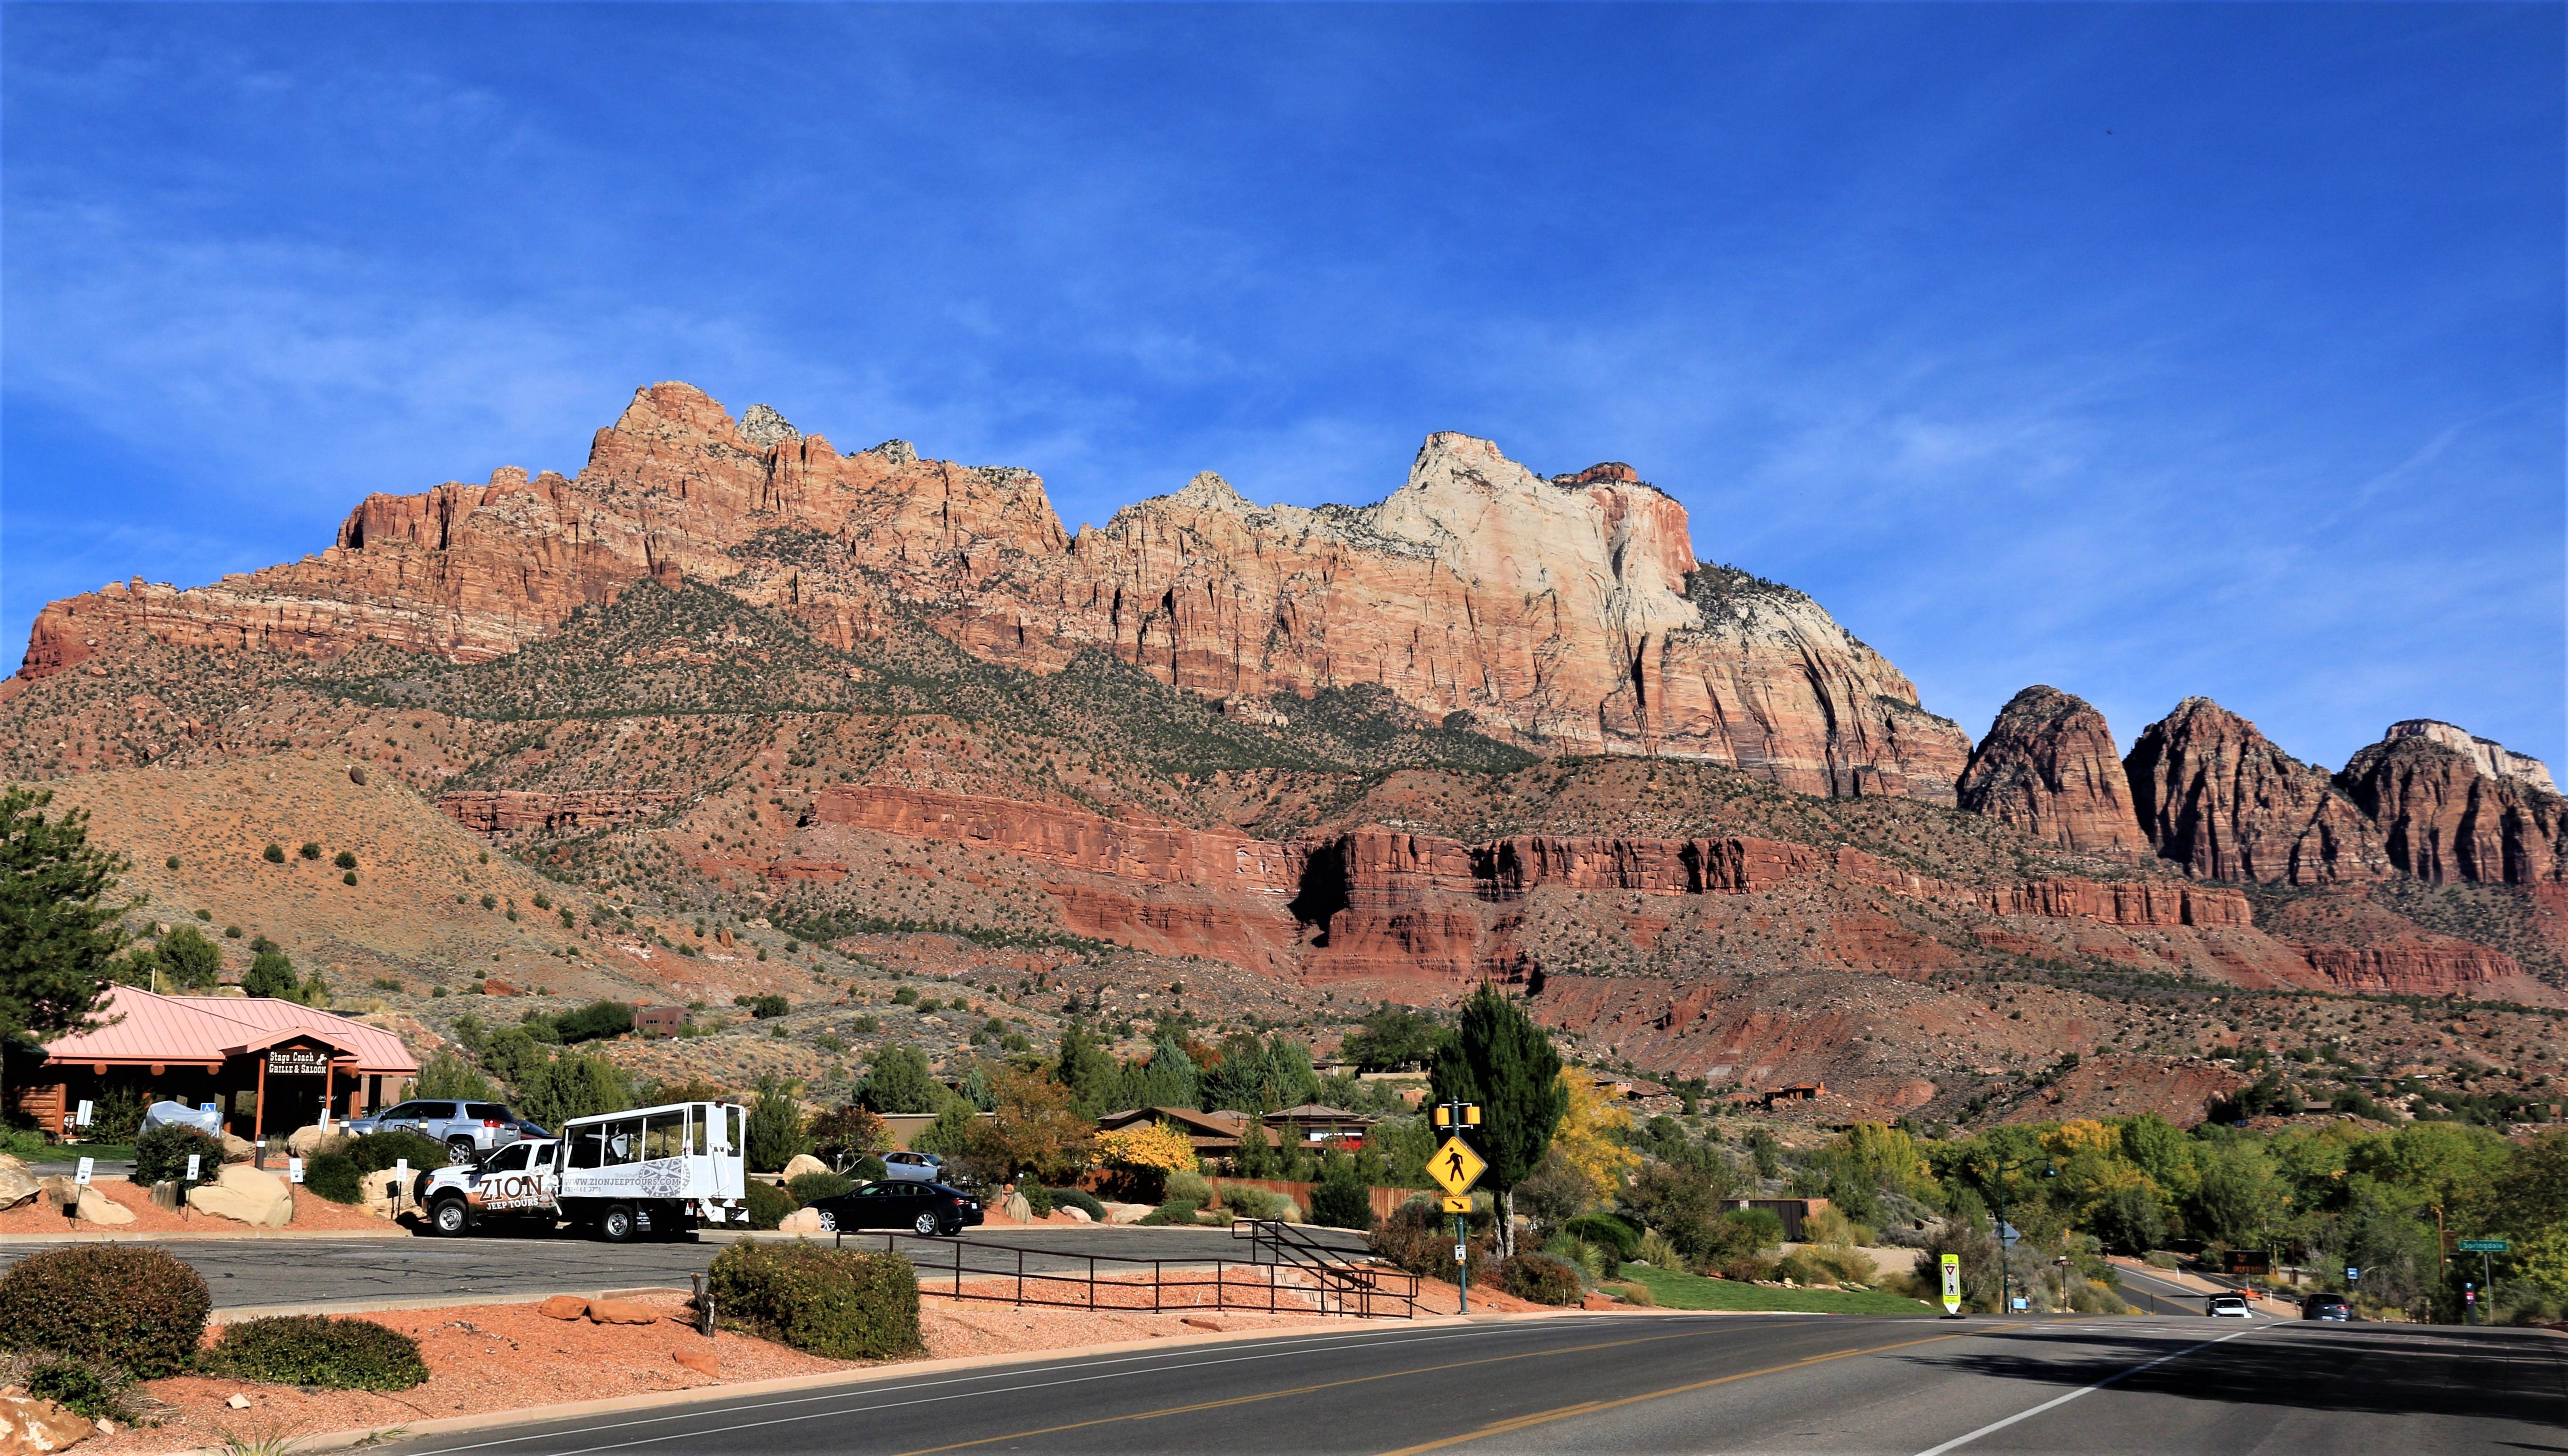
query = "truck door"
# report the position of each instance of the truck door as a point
(545, 1172)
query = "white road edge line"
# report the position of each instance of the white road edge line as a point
(2058, 1400)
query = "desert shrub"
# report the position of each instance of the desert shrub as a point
(767, 1204)
(763, 1008)
(1634, 1294)
(2086, 1296)
(116, 1117)
(837, 1305)
(377, 1151)
(1749, 1269)
(1191, 1186)
(1657, 1250)
(593, 1021)
(1342, 1199)
(160, 1155)
(106, 1304)
(1827, 1263)
(1083, 1201)
(1420, 1240)
(315, 1349)
(1255, 1202)
(1592, 1260)
(95, 1391)
(1174, 1211)
(812, 1187)
(1539, 1277)
(1038, 1198)
(332, 1176)
(1607, 1232)
(870, 1169)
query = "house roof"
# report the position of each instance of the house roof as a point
(1215, 1124)
(147, 1028)
(1315, 1112)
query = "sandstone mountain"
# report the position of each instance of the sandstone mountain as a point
(764, 718)
(2049, 768)
(1567, 613)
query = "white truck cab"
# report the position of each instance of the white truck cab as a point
(618, 1174)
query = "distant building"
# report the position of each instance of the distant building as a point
(1796, 1092)
(1213, 1134)
(1315, 1126)
(659, 1020)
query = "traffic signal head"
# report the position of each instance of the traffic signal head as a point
(1471, 1114)
(1444, 1115)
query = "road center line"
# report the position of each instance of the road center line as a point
(1590, 1407)
(2057, 1400)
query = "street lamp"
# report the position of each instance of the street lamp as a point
(2006, 1303)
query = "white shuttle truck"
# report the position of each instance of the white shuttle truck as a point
(619, 1175)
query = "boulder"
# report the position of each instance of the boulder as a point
(800, 1221)
(305, 1143)
(1075, 1215)
(30, 1424)
(245, 1195)
(621, 1312)
(1128, 1213)
(9, 1164)
(702, 1361)
(61, 1191)
(1016, 1209)
(237, 1150)
(18, 1185)
(803, 1163)
(97, 1208)
(564, 1307)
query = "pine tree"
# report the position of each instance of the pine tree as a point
(56, 938)
(1169, 1079)
(899, 1083)
(1502, 1060)
(271, 973)
(1087, 1069)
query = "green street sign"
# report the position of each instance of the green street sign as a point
(2485, 1246)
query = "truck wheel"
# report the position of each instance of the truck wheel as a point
(449, 1217)
(616, 1226)
(460, 1151)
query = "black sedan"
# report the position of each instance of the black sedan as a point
(894, 1203)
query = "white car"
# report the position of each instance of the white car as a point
(2228, 1307)
(914, 1167)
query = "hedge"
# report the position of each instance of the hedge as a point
(1607, 1232)
(161, 1154)
(332, 1176)
(378, 1151)
(315, 1349)
(812, 1187)
(138, 1309)
(767, 1204)
(831, 1303)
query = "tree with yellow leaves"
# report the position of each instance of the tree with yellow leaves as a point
(1586, 1138)
(1157, 1148)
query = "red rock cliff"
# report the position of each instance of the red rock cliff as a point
(2050, 768)
(2216, 796)
(2443, 818)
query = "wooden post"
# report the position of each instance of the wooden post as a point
(259, 1115)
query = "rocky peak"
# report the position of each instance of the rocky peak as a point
(1208, 491)
(2443, 818)
(2049, 768)
(2487, 755)
(2217, 797)
(1607, 471)
(765, 428)
(898, 451)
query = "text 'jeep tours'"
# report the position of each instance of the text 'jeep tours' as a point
(653, 1170)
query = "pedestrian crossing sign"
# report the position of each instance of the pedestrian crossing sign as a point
(1456, 1167)
(1460, 1203)
(1952, 1264)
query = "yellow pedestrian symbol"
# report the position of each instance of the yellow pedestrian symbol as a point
(1456, 1167)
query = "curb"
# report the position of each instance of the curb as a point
(707, 1394)
(236, 1313)
(112, 1236)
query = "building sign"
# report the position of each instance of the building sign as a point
(296, 1061)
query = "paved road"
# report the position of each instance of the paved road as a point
(1668, 1383)
(269, 1272)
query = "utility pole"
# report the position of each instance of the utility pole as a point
(2006, 1303)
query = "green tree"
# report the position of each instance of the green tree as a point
(1342, 1199)
(270, 974)
(2162, 1150)
(1087, 1069)
(2238, 1200)
(898, 1082)
(576, 1084)
(950, 1135)
(447, 1075)
(2451, 1167)
(57, 936)
(775, 1127)
(1168, 1079)
(2531, 1196)
(188, 960)
(1499, 1060)
(1392, 1038)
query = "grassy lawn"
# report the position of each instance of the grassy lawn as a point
(1677, 1291)
(102, 1152)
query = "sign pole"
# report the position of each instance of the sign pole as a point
(1456, 1167)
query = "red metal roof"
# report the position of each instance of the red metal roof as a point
(164, 1029)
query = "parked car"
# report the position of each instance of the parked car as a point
(914, 1167)
(2228, 1307)
(2327, 1307)
(470, 1131)
(900, 1202)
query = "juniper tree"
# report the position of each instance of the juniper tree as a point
(1502, 1060)
(55, 935)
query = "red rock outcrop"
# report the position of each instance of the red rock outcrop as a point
(1069, 838)
(2451, 969)
(2216, 796)
(505, 813)
(2050, 768)
(2443, 818)
(2129, 902)
(1567, 613)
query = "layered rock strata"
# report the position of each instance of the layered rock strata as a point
(1567, 613)
(2050, 768)
(2444, 818)
(2216, 796)
(2487, 755)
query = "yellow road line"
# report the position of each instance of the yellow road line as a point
(1107, 1420)
(1590, 1407)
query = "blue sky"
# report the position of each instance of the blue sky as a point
(2141, 351)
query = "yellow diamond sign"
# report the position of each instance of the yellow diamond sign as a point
(1456, 1167)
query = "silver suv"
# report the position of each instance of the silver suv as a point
(469, 1129)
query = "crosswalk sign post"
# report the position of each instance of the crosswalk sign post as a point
(1952, 1265)
(1456, 1167)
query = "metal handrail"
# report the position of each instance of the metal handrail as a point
(1337, 1289)
(1356, 1287)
